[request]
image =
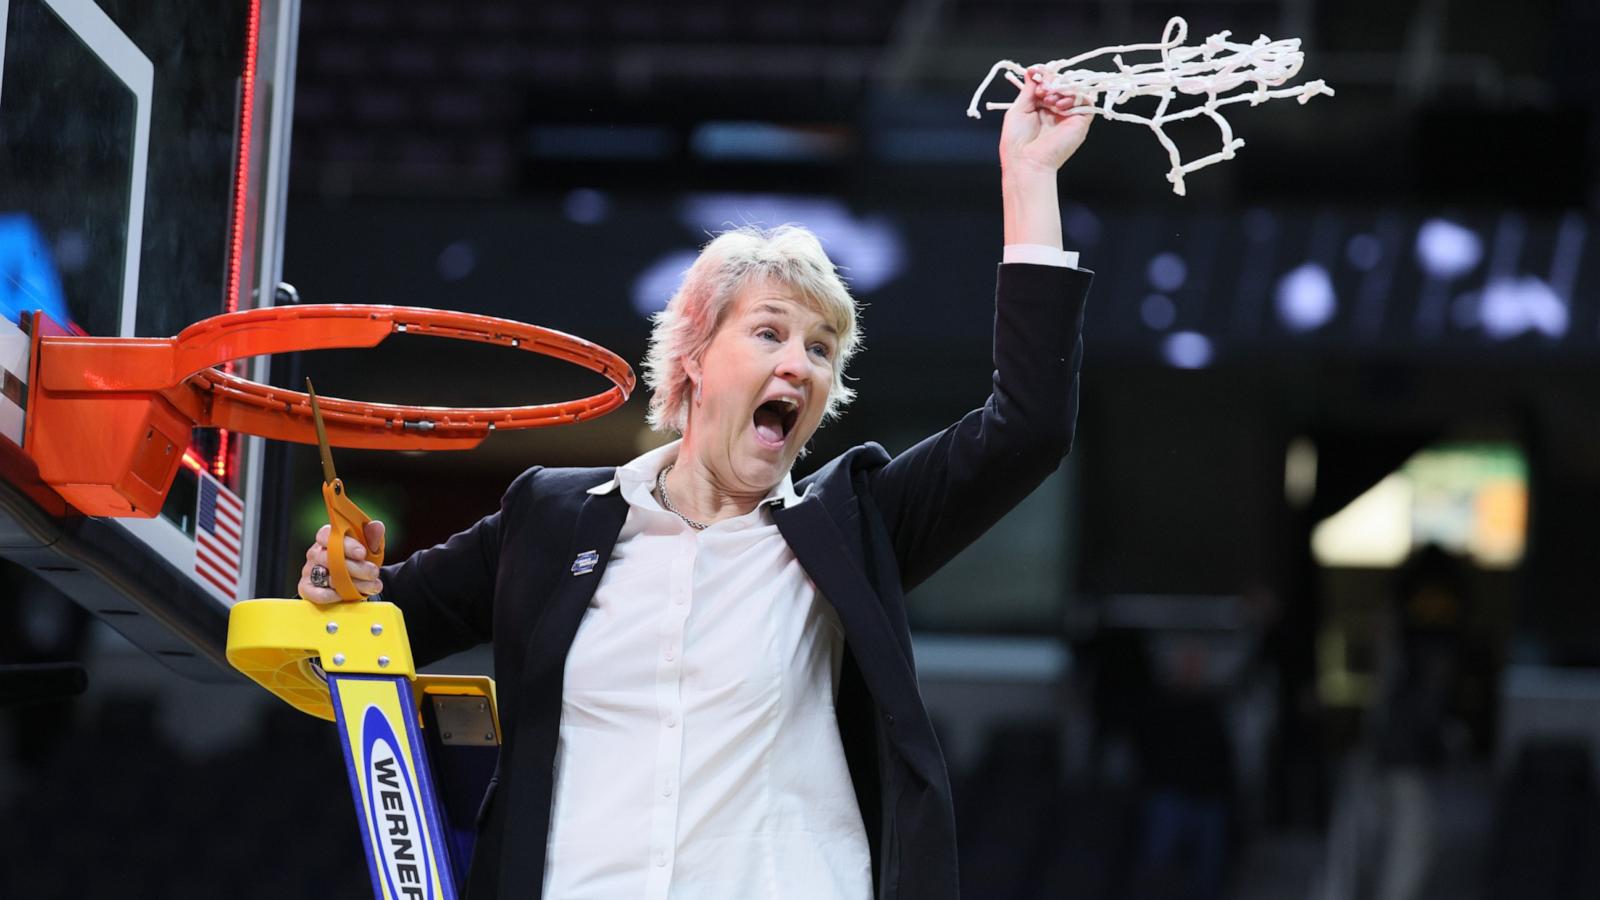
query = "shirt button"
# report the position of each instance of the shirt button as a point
(661, 859)
(669, 654)
(666, 789)
(681, 600)
(672, 721)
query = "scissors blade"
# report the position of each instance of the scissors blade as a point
(328, 474)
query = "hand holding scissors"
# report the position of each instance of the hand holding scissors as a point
(343, 563)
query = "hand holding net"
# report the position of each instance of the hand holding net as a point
(1210, 70)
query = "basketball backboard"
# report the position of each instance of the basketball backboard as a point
(143, 158)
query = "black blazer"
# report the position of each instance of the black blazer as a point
(867, 528)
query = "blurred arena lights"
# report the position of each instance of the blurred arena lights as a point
(770, 142)
(1158, 312)
(1187, 350)
(457, 260)
(1470, 498)
(1373, 531)
(1447, 250)
(653, 287)
(609, 142)
(586, 206)
(1300, 472)
(1081, 225)
(1260, 225)
(1511, 307)
(932, 144)
(1167, 272)
(1305, 298)
(869, 249)
(1364, 251)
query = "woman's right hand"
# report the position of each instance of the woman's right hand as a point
(1044, 126)
(363, 573)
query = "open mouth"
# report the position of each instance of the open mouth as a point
(774, 420)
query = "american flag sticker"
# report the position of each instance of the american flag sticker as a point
(219, 524)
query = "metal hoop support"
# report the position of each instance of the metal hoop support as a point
(109, 418)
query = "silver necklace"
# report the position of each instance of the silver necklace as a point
(661, 488)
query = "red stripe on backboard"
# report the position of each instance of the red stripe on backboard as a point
(224, 556)
(214, 580)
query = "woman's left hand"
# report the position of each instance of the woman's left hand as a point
(1039, 131)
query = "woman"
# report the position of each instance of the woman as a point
(704, 669)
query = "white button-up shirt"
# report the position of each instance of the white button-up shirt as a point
(699, 755)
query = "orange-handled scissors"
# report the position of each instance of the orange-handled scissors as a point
(344, 516)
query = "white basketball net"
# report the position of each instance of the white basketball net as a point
(1209, 70)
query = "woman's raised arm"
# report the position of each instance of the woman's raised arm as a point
(1039, 135)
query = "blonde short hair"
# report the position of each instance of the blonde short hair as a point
(789, 255)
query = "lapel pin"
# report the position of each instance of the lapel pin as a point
(585, 562)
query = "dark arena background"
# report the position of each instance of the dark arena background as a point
(1311, 605)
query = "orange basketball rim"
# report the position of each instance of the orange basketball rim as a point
(109, 418)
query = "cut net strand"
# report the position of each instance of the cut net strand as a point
(1210, 69)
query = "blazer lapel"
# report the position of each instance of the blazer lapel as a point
(600, 520)
(537, 728)
(822, 552)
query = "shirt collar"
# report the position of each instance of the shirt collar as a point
(644, 468)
